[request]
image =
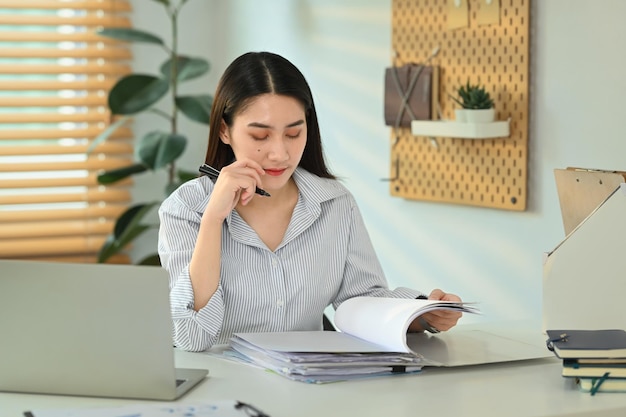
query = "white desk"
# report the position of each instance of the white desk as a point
(528, 388)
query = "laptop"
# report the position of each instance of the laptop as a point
(88, 330)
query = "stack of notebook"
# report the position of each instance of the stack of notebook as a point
(596, 358)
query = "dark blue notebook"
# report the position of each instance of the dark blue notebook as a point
(575, 344)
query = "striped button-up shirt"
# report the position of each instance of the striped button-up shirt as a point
(326, 257)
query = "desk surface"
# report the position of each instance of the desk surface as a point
(526, 388)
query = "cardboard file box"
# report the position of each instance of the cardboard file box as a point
(584, 276)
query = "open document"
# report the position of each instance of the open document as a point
(371, 341)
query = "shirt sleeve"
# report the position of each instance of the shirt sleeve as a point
(178, 230)
(363, 274)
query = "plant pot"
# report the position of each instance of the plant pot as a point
(460, 115)
(480, 115)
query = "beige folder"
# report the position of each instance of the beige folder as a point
(583, 276)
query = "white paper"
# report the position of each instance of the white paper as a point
(224, 408)
(385, 321)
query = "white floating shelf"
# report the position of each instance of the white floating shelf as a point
(452, 129)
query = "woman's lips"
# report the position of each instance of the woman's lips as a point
(275, 172)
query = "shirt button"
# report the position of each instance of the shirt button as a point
(280, 303)
(274, 263)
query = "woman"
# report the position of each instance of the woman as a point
(243, 262)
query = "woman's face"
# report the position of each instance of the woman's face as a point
(272, 131)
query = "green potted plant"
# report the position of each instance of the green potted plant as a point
(476, 103)
(135, 94)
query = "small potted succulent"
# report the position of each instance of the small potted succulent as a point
(477, 105)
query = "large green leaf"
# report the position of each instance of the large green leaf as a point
(197, 108)
(127, 228)
(158, 149)
(130, 35)
(171, 148)
(148, 148)
(171, 187)
(114, 246)
(165, 2)
(115, 175)
(152, 260)
(136, 92)
(131, 218)
(108, 249)
(107, 132)
(184, 176)
(187, 68)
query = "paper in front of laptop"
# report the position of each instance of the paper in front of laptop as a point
(219, 408)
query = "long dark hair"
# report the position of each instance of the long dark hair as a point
(253, 74)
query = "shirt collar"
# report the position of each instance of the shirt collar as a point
(316, 190)
(313, 191)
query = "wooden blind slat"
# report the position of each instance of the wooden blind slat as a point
(107, 195)
(90, 212)
(89, 117)
(92, 99)
(90, 133)
(92, 163)
(88, 52)
(108, 147)
(92, 19)
(55, 229)
(109, 5)
(51, 246)
(89, 68)
(88, 181)
(90, 36)
(88, 84)
(84, 259)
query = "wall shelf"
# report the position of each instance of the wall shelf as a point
(452, 129)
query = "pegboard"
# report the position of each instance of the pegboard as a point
(478, 172)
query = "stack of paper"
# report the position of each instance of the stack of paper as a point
(318, 357)
(372, 341)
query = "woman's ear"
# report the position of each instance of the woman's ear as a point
(224, 133)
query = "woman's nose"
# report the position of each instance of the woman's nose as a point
(278, 150)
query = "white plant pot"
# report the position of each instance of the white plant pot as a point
(460, 115)
(480, 116)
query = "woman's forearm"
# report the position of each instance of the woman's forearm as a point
(204, 267)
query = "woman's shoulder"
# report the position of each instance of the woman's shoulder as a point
(192, 195)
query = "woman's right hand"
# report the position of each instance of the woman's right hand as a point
(236, 183)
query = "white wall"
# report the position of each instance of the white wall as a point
(343, 46)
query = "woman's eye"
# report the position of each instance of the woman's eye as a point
(293, 135)
(259, 138)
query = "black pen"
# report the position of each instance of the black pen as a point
(214, 173)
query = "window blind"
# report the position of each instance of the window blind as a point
(55, 74)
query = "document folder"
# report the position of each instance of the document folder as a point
(583, 276)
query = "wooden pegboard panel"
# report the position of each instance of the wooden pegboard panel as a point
(486, 172)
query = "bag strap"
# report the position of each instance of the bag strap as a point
(405, 95)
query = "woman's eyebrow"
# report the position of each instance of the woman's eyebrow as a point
(264, 126)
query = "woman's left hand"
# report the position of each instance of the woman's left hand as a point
(441, 320)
